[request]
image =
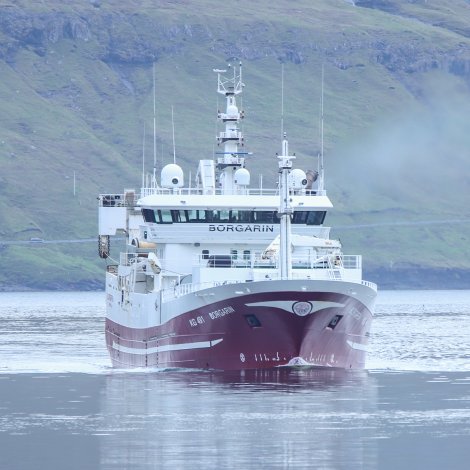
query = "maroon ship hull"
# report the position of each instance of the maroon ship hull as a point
(261, 330)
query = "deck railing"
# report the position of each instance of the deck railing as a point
(130, 199)
(257, 260)
(260, 259)
(185, 289)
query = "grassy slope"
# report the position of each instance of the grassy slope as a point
(396, 143)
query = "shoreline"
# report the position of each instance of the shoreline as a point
(417, 278)
(409, 278)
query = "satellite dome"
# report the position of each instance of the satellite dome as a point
(298, 178)
(172, 176)
(242, 177)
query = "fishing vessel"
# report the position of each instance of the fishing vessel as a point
(217, 274)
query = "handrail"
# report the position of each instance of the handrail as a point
(259, 260)
(185, 289)
(189, 288)
(127, 200)
(372, 285)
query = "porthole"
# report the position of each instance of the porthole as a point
(334, 321)
(253, 321)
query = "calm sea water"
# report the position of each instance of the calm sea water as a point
(63, 407)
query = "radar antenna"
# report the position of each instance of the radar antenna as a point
(143, 159)
(282, 101)
(154, 182)
(321, 182)
(173, 130)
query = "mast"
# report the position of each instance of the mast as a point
(143, 160)
(154, 131)
(321, 183)
(230, 159)
(173, 131)
(282, 101)
(285, 212)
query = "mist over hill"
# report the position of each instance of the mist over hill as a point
(76, 92)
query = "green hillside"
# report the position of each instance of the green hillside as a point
(76, 93)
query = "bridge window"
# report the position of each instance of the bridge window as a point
(300, 217)
(267, 217)
(149, 215)
(309, 217)
(316, 217)
(164, 216)
(176, 216)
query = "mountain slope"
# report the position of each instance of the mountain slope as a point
(76, 92)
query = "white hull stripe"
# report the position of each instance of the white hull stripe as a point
(168, 347)
(287, 305)
(359, 346)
